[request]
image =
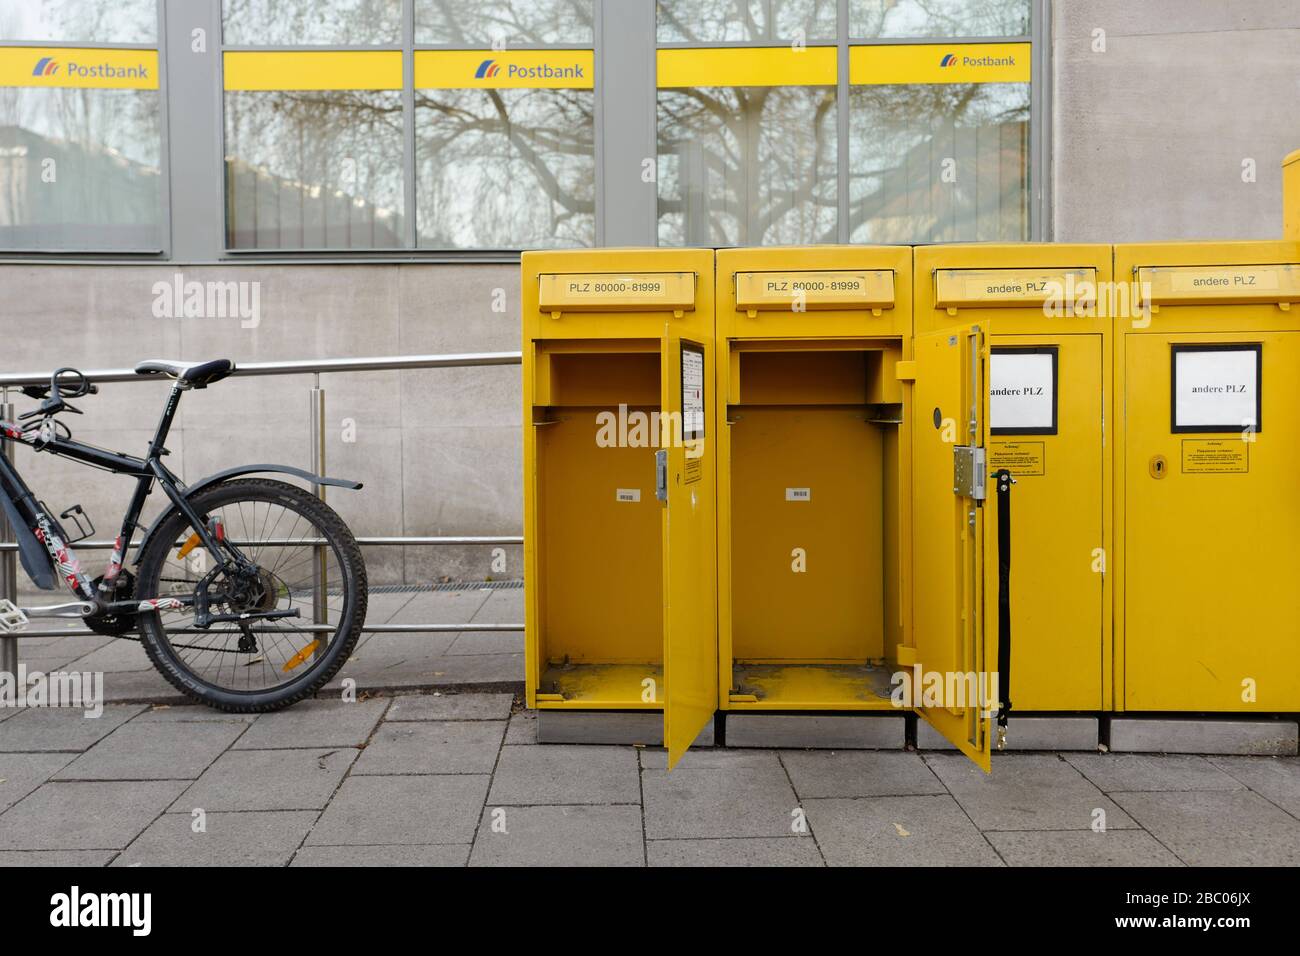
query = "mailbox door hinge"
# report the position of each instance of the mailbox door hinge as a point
(968, 472)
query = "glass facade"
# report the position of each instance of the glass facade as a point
(504, 24)
(79, 21)
(939, 163)
(723, 21)
(506, 168)
(373, 126)
(80, 127)
(311, 22)
(747, 166)
(314, 169)
(916, 19)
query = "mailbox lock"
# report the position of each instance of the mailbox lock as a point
(1159, 467)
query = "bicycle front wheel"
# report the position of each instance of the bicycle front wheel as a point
(293, 621)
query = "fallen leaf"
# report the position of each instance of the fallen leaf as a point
(901, 831)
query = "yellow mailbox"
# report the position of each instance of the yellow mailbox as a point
(619, 501)
(820, 519)
(1207, 447)
(1045, 308)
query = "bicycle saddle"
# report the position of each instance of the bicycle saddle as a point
(189, 374)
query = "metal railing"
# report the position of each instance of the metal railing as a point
(316, 425)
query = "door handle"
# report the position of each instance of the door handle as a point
(661, 475)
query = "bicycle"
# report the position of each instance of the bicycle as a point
(248, 594)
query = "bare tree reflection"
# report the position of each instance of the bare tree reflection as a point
(720, 21)
(938, 18)
(302, 22)
(899, 140)
(314, 169)
(747, 165)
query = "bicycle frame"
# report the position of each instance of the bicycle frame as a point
(147, 471)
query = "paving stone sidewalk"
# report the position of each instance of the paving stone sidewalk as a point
(457, 779)
(451, 775)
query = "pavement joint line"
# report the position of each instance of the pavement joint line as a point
(741, 839)
(347, 775)
(1249, 789)
(799, 800)
(161, 813)
(640, 789)
(1143, 829)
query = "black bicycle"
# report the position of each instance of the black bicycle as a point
(247, 593)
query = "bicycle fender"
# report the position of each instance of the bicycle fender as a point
(34, 557)
(216, 479)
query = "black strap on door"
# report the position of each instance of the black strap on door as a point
(1004, 483)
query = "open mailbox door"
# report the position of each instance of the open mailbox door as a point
(953, 656)
(684, 487)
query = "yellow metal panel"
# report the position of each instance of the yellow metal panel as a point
(79, 68)
(505, 69)
(955, 288)
(810, 477)
(616, 292)
(1228, 284)
(1291, 197)
(953, 631)
(620, 602)
(1060, 624)
(747, 66)
(313, 70)
(800, 291)
(1060, 589)
(832, 610)
(1199, 527)
(690, 554)
(939, 63)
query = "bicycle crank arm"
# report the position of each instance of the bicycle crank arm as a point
(72, 609)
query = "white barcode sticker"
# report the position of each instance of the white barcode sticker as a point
(627, 494)
(798, 494)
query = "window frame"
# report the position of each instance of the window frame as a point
(161, 251)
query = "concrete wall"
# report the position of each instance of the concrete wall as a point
(439, 450)
(1149, 136)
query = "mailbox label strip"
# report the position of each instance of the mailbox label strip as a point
(616, 292)
(1012, 287)
(1238, 283)
(794, 291)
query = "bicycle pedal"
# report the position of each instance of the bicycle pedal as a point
(12, 617)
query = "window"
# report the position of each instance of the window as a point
(751, 140)
(329, 148)
(749, 163)
(723, 21)
(79, 21)
(503, 23)
(938, 18)
(80, 127)
(505, 148)
(939, 163)
(311, 22)
(314, 150)
(505, 168)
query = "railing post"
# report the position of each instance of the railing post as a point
(8, 559)
(320, 584)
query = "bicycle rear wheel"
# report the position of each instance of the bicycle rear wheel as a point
(306, 561)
